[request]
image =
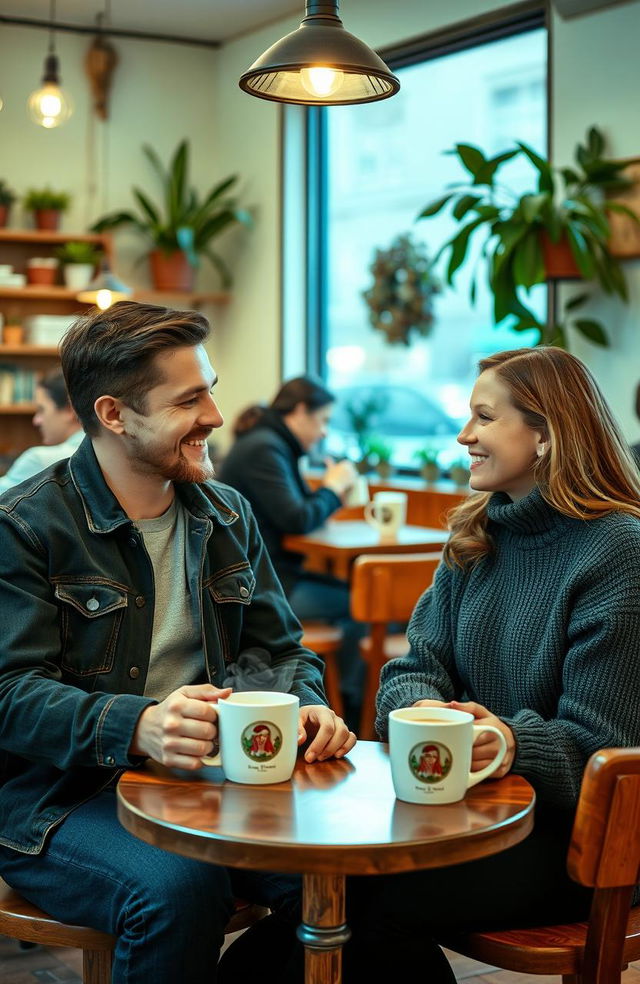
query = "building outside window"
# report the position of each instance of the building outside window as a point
(384, 163)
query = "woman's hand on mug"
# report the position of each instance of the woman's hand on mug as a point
(331, 737)
(485, 746)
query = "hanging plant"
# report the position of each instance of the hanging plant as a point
(400, 301)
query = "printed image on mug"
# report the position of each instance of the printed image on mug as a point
(261, 741)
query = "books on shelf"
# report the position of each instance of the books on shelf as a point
(17, 385)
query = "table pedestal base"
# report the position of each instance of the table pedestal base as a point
(323, 930)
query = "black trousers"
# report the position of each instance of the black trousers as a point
(395, 919)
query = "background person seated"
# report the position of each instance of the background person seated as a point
(263, 464)
(59, 426)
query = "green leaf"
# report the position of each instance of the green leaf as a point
(581, 252)
(595, 142)
(528, 268)
(177, 198)
(545, 180)
(488, 169)
(459, 248)
(114, 220)
(156, 163)
(434, 207)
(570, 176)
(533, 205)
(576, 301)
(464, 204)
(147, 207)
(592, 330)
(471, 157)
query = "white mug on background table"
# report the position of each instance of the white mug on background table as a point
(387, 512)
(258, 736)
(430, 753)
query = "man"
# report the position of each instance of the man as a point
(128, 580)
(59, 426)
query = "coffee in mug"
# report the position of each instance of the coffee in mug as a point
(387, 512)
(258, 736)
(430, 753)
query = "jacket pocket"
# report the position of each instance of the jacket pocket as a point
(230, 591)
(91, 616)
(233, 586)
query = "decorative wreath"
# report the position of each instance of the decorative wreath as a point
(400, 301)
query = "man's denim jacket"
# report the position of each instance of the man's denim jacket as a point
(76, 617)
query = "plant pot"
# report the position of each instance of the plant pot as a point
(46, 219)
(42, 271)
(430, 473)
(171, 271)
(363, 467)
(12, 334)
(460, 476)
(384, 469)
(558, 260)
(77, 276)
(4, 215)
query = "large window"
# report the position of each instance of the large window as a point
(384, 163)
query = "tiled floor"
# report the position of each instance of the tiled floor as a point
(64, 966)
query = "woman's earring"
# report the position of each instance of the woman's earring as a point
(541, 449)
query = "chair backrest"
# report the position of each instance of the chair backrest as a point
(386, 587)
(605, 854)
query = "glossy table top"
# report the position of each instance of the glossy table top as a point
(337, 817)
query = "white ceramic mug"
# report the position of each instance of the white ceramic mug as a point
(258, 736)
(358, 494)
(387, 512)
(430, 752)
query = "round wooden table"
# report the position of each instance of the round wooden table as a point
(332, 819)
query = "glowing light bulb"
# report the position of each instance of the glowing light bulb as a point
(321, 82)
(49, 106)
(104, 299)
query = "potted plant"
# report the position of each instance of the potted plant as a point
(183, 227)
(7, 198)
(459, 472)
(79, 260)
(360, 412)
(379, 451)
(400, 301)
(567, 209)
(47, 206)
(429, 467)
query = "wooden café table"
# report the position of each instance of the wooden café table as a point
(332, 819)
(333, 547)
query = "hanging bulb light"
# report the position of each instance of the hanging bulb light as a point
(105, 289)
(320, 64)
(49, 106)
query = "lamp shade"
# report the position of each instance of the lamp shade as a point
(105, 289)
(320, 64)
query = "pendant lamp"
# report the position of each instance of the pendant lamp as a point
(49, 106)
(320, 64)
(105, 289)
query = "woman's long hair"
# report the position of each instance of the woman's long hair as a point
(302, 389)
(588, 471)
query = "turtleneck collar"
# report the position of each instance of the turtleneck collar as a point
(273, 420)
(528, 516)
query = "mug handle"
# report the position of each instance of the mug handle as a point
(212, 759)
(370, 514)
(475, 777)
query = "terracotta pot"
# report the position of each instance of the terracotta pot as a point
(430, 472)
(42, 271)
(4, 215)
(13, 334)
(171, 271)
(384, 469)
(47, 219)
(558, 259)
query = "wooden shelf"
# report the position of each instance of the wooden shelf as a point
(18, 409)
(30, 351)
(32, 236)
(36, 292)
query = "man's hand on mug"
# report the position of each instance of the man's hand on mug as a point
(485, 746)
(340, 477)
(182, 728)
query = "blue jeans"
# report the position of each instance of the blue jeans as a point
(168, 911)
(326, 599)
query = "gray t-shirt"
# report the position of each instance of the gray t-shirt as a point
(176, 646)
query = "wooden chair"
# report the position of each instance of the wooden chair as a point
(20, 920)
(384, 589)
(604, 854)
(326, 640)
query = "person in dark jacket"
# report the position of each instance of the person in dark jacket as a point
(263, 464)
(129, 580)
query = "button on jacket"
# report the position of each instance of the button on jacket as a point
(76, 619)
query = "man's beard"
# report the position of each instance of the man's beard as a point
(174, 468)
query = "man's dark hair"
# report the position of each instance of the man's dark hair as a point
(54, 385)
(302, 389)
(112, 352)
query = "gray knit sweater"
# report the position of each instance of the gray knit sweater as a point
(544, 632)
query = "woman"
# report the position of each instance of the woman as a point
(532, 625)
(263, 464)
